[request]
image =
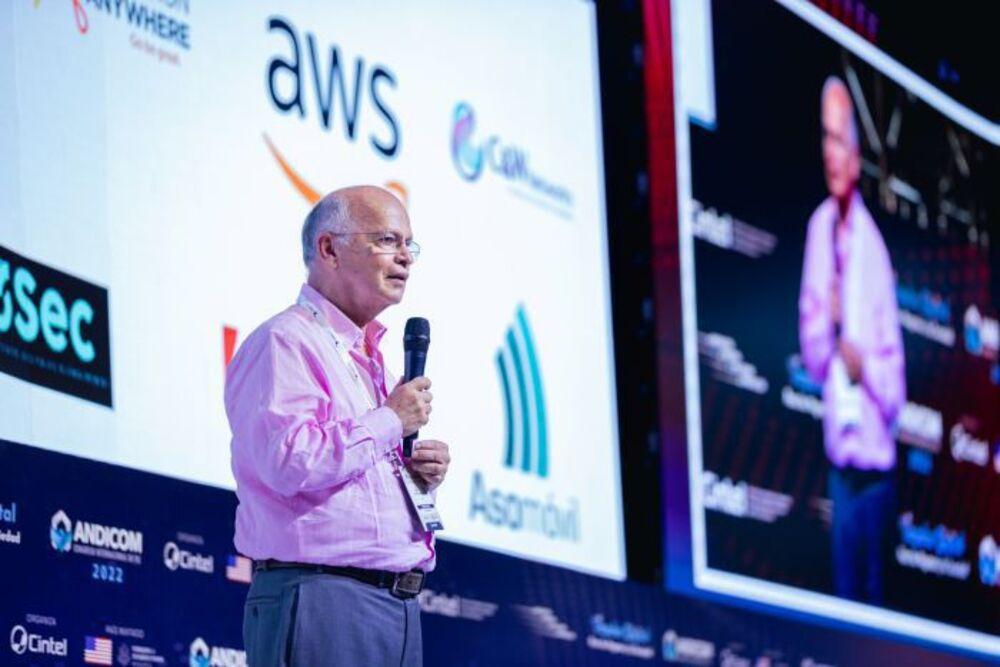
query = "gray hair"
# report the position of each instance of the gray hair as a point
(834, 82)
(330, 214)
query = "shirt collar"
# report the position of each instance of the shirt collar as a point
(342, 325)
(850, 219)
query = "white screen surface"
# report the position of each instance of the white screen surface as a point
(158, 163)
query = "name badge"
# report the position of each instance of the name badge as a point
(420, 500)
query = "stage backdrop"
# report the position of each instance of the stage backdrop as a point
(749, 176)
(159, 158)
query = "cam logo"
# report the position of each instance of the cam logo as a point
(467, 156)
(524, 400)
(61, 532)
(471, 157)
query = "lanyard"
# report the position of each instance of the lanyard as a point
(420, 501)
(342, 351)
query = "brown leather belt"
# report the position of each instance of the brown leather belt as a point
(402, 585)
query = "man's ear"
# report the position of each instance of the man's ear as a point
(327, 249)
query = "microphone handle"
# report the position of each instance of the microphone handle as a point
(414, 361)
(408, 444)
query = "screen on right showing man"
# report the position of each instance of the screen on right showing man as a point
(838, 227)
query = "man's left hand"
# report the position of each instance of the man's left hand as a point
(430, 462)
(852, 360)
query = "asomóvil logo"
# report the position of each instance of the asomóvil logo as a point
(524, 399)
(467, 156)
(526, 450)
(509, 161)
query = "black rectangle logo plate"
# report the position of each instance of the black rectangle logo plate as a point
(54, 329)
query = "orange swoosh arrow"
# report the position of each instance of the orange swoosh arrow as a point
(310, 193)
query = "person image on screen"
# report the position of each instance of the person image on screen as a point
(317, 421)
(851, 343)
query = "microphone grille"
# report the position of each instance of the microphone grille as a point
(417, 328)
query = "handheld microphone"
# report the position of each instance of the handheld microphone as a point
(416, 340)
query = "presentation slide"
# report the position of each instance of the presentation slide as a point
(160, 156)
(839, 228)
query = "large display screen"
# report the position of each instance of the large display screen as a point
(838, 243)
(159, 158)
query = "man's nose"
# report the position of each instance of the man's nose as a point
(404, 256)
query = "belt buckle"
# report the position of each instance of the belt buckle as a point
(406, 585)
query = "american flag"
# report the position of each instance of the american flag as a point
(97, 651)
(239, 569)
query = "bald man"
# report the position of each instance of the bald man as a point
(317, 421)
(851, 344)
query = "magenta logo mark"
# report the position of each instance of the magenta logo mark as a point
(465, 153)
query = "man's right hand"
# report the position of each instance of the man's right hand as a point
(412, 403)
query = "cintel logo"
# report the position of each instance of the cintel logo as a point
(176, 558)
(524, 400)
(22, 641)
(508, 161)
(203, 655)
(965, 447)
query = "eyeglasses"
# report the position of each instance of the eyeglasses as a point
(387, 243)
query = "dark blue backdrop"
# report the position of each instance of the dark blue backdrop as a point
(179, 605)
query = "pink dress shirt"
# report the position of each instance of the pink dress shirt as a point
(313, 461)
(869, 320)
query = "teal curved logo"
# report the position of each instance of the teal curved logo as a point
(465, 153)
(61, 532)
(527, 439)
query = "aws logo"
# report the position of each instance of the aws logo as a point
(341, 94)
(526, 422)
(360, 90)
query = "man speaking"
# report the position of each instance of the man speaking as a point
(326, 505)
(851, 343)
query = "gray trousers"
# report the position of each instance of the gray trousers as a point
(302, 618)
